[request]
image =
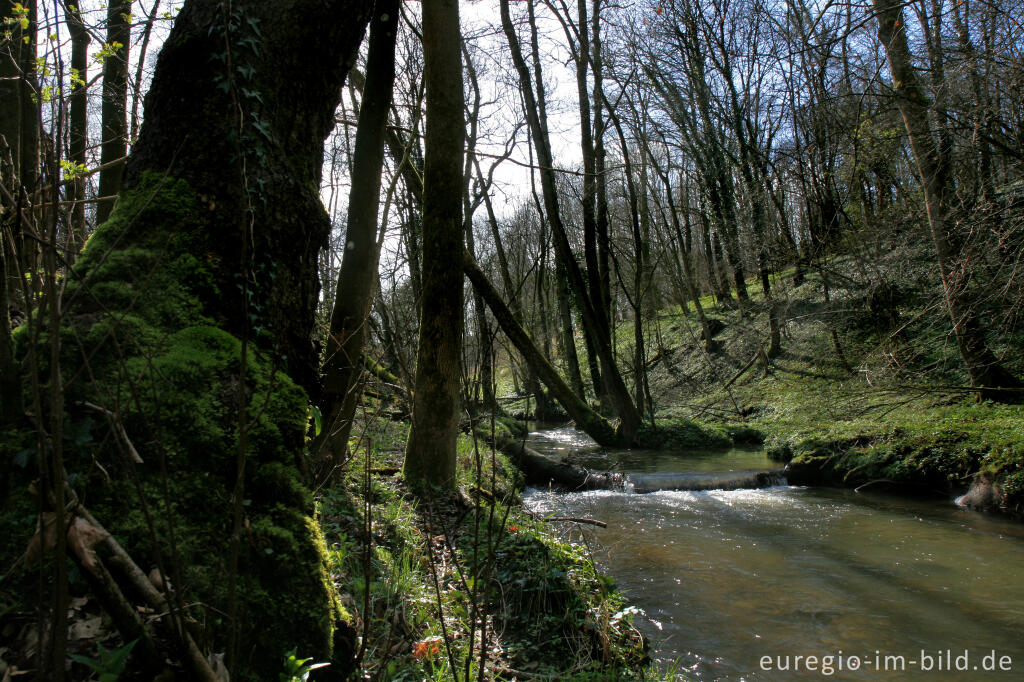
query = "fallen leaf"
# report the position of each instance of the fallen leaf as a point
(82, 537)
(88, 629)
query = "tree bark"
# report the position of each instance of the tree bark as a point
(192, 310)
(430, 451)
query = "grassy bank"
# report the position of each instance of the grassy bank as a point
(445, 585)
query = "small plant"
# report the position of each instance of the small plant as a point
(109, 664)
(298, 669)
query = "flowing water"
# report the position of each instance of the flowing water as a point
(897, 588)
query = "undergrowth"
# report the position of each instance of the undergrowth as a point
(467, 585)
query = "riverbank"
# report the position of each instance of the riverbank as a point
(439, 586)
(867, 387)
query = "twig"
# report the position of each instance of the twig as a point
(592, 522)
(115, 422)
(865, 485)
(750, 362)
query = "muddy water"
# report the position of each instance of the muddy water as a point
(897, 588)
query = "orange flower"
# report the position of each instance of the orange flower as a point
(513, 529)
(427, 648)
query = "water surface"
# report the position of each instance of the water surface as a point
(725, 577)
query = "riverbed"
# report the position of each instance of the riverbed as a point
(734, 584)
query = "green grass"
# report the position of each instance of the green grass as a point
(475, 562)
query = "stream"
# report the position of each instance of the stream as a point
(734, 583)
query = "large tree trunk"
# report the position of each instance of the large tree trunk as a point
(984, 369)
(190, 319)
(430, 452)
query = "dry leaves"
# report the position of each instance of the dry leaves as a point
(82, 537)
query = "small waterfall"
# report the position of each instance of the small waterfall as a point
(649, 483)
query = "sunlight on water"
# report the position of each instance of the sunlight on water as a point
(726, 577)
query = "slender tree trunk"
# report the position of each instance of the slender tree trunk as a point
(985, 371)
(623, 404)
(687, 270)
(604, 245)
(572, 360)
(10, 377)
(140, 69)
(577, 408)
(357, 278)
(469, 206)
(115, 106)
(512, 292)
(78, 125)
(430, 451)
(412, 236)
(639, 266)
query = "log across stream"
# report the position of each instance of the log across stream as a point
(726, 577)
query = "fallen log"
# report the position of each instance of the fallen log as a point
(543, 471)
(573, 519)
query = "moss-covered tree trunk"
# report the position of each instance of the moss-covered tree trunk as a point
(189, 322)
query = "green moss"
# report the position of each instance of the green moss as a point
(683, 434)
(141, 339)
(557, 611)
(937, 449)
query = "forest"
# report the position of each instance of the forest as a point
(428, 340)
